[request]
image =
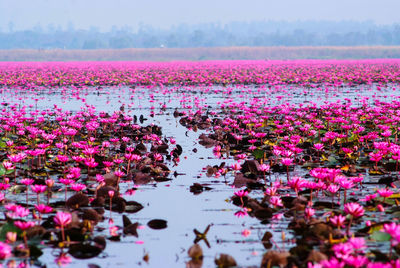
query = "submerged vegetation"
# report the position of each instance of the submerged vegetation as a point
(253, 164)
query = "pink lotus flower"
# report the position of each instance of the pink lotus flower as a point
(111, 193)
(62, 218)
(286, 161)
(345, 183)
(375, 157)
(347, 151)
(271, 191)
(66, 181)
(119, 173)
(4, 186)
(357, 243)
(9, 143)
(11, 237)
(77, 187)
(394, 230)
(17, 158)
(5, 251)
(63, 158)
(105, 144)
(275, 201)
(108, 164)
(158, 157)
(342, 250)
(38, 188)
(240, 156)
(90, 151)
(49, 183)
(356, 261)
(113, 230)
(42, 208)
(8, 165)
(384, 192)
(217, 148)
(236, 166)
(309, 212)
(264, 168)
(241, 193)
(260, 135)
(75, 172)
(297, 183)
(63, 259)
(24, 225)
(78, 158)
(332, 263)
(27, 181)
(333, 188)
(318, 146)
(90, 162)
(369, 197)
(16, 211)
(354, 209)
(99, 178)
(338, 221)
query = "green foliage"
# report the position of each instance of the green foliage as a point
(8, 227)
(258, 154)
(380, 236)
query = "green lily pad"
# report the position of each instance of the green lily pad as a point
(380, 236)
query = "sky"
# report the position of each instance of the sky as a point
(103, 14)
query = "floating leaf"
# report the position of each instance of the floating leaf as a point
(87, 250)
(274, 258)
(225, 261)
(195, 252)
(266, 240)
(133, 207)
(77, 201)
(8, 227)
(258, 154)
(332, 160)
(34, 251)
(2, 170)
(380, 236)
(157, 224)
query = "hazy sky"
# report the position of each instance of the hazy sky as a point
(164, 13)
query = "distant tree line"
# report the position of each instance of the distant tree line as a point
(253, 34)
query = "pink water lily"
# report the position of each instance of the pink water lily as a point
(338, 221)
(5, 251)
(241, 193)
(354, 209)
(43, 208)
(62, 219)
(276, 201)
(24, 225)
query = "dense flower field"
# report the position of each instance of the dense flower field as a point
(303, 72)
(298, 161)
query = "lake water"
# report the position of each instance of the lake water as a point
(172, 200)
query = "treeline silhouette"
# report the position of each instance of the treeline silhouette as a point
(201, 53)
(234, 34)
